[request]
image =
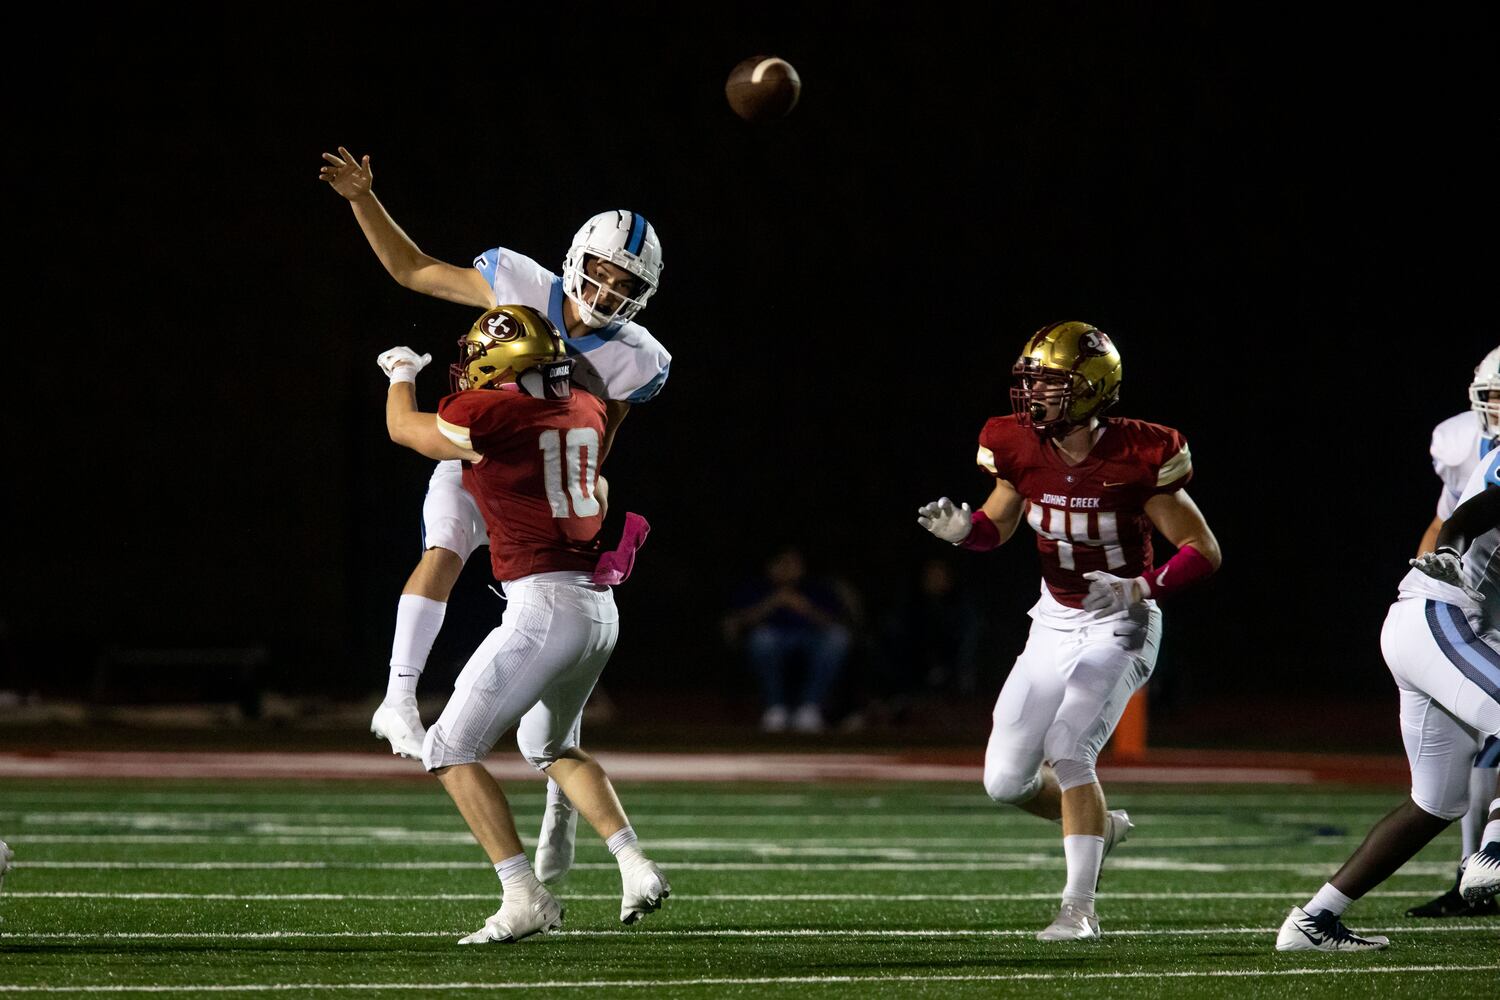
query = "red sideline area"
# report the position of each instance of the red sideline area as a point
(1157, 767)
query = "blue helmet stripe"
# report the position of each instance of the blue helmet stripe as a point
(637, 233)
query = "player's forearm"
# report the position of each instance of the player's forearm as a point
(413, 429)
(1206, 545)
(1429, 537)
(615, 412)
(397, 252)
(1475, 516)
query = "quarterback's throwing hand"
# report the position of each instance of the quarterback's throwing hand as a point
(1445, 566)
(401, 364)
(346, 175)
(1109, 593)
(950, 523)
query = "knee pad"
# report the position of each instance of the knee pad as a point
(1434, 802)
(1073, 773)
(543, 754)
(1007, 785)
(438, 752)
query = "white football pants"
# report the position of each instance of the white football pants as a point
(1064, 697)
(537, 669)
(1449, 678)
(450, 516)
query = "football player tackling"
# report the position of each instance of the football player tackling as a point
(530, 446)
(610, 272)
(1440, 646)
(1092, 489)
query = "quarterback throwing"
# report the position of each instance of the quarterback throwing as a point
(1092, 489)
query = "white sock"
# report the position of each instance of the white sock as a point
(556, 799)
(1492, 828)
(1481, 787)
(516, 874)
(418, 620)
(1084, 853)
(1328, 900)
(623, 846)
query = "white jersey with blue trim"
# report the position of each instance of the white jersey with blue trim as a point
(622, 361)
(1481, 561)
(1455, 450)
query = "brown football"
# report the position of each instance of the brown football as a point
(762, 88)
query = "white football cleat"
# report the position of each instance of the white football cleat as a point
(521, 915)
(1481, 878)
(1117, 827)
(555, 844)
(644, 887)
(7, 856)
(1072, 923)
(401, 723)
(1323, 931)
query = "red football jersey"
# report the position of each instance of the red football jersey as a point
(1089, 516)
(535, 482)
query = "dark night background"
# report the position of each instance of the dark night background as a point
(1283, 224)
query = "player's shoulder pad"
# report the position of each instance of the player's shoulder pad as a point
(468, 417)
(999, 442)
(654, 360)
(1485, 476)
(1161, 447)
(1455, 441)
(503, 268)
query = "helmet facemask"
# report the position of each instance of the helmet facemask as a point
(1484, 395)
(598, 304)
(1041, 399)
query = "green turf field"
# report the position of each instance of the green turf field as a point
(345, 889)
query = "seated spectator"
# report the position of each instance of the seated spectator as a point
(783, 614)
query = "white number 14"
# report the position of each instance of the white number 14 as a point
(582, 460)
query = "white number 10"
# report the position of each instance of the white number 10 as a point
(579, 469)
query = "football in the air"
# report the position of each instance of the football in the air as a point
(763, 87)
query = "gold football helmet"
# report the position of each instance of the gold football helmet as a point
(509, 344)
(1067, 374)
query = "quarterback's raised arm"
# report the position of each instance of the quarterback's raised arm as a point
(353, 179)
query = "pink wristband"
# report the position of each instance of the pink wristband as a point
(983, 535)
(1178, 573)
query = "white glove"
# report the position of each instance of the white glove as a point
(1446, 566)
(1109, 593)
(401, 364)
(950, 523)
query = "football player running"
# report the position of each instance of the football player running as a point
(1441, 648)
(530, 446)
(610, 272)
(1458, 444)
(1092, 488)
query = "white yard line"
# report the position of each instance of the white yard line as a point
(656, 984)
(717, 932)
(679, 898)
(1018, 863)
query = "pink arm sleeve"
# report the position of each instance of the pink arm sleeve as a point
(1178, 573)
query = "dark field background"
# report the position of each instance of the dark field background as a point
(1286, 226)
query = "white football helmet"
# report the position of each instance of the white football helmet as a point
(626, 240)
(1484, 394)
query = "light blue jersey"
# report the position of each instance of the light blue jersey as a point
(622, 361)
